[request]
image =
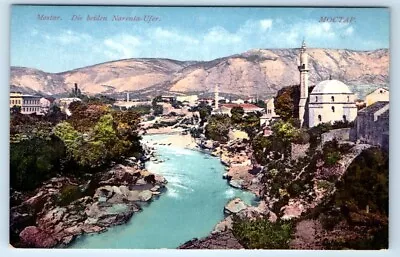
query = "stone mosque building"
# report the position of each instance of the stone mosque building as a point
(329, 101)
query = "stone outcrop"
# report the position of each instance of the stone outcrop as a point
(235, 206)
(223, 240)
(236, 183)
(34, 237)
(44, 221)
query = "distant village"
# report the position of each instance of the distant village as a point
(329, 101)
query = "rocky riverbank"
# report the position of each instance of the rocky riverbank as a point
(64, 208)
(237, 156)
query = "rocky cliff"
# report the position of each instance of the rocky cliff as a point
(260, 71)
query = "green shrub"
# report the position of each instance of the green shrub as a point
(331, 158)
(263, 234)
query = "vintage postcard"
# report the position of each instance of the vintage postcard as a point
(199, 127)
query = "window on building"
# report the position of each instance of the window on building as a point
(333, 108)
(316, 99)
(333, 98)
(344, 118)
(348, 98)
(381, 91)
(319, 118)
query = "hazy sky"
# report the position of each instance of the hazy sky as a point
(197, 33)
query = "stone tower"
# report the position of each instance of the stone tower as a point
(216, 97)
(303, 68)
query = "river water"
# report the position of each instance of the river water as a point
(190, 207)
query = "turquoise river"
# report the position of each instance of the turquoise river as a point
(190, 207)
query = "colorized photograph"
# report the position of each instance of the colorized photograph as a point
(156, 127)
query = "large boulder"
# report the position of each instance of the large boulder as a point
(32, 236)
(223, 225)
(51, 218)
(145, 195)
(235, 206)
(236, 183)
(120, 175)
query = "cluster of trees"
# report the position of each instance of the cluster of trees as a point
(278, 144)
(219, 125)
(217, 128)
(204, 112)
(34, 160)
(91, 138)
(249, 123)
(95, 134)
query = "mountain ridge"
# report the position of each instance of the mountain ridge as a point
(256, 71)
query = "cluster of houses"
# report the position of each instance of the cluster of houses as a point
(39, 105)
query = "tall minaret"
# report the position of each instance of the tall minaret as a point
(303, 68)
(216, 96)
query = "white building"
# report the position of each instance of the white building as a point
(330, 100)
(378, 95)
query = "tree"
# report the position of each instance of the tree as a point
(204, 111)
(112, 138)
(260, 145)
(287, 102)
(55, 115)
(86, 115)
(218, 128)
(251, 124)
(15, 109)
(285, 131)
(73, 140)
(35, 160)
(237, 114)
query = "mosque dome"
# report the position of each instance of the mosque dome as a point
(331, 87)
